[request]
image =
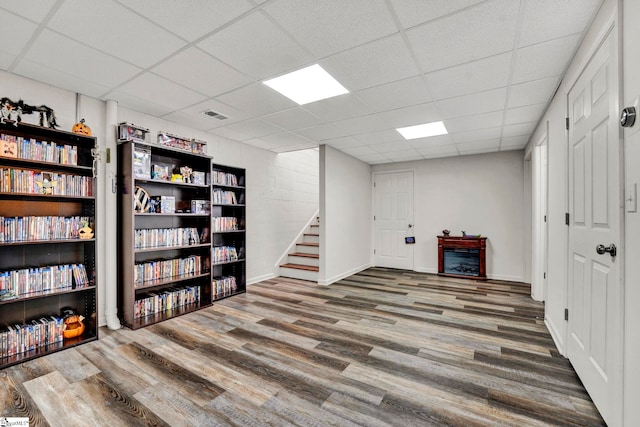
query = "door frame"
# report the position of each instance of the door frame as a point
(612, 27)
(374, 240)
(540, 209)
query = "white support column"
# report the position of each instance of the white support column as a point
(109, 223)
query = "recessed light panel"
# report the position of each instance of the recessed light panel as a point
(423, 131)
(307, 85)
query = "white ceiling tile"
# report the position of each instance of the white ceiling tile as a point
(389, 57)
(259, 143)
(330, 26)
(440, 155)
(478, 146)
(398, 94)
(321, 133)
(161, 91)
(477, 76)
(111, 28)
(76, 59)
(296, 147)
(477, 135)
(528, 65)
(404, 155)
(519, 129)
(438, 151)
(199, 71)
(339, 108)
(414, 12)
(391, 147)
(486, 29)
(359, 125)
(189, 21)
(514, 142)
(34, 10)
(230, 134)
(254, 128)
(257, 47)
(287, 139)
(432, 141)
(16, 32)
(357, 151)
(409, 116)
(53, 77)
(477, 121)
(549, 19)
(524, 114)
(481, 102)
(535, 92)
(196, 121)
(256, 99)
(374, 158)
(127, 100)
(388, 135)
(293, 119)
(6, 59)
(344, 142)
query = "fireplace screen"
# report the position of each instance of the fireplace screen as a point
(464, 262)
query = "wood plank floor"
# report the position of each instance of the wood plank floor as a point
(380, 348)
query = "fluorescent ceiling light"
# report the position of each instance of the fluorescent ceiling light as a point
(423, 131)
(307, 85)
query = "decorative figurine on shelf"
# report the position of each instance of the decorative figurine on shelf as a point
(153, 205)
(176, 177)
(72, 324)
(446, 232)
(47, 184)
(9, 107)
(81, 128)
(471, 236)
(86, 232)
(186, 172)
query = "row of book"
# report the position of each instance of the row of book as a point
(162, 237)
(17, 339)
(31, 149)
(221, 197)
(223, 223)
(223, 178)
(224, 254)
(164, 269)
(32, 182)
(224, 287)
(169, 299)
(17, 283)
(31, 228)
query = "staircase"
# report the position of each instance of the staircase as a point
(304, 262)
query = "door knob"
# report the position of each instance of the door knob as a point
(602, 249)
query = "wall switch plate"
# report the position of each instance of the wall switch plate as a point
(631, 198)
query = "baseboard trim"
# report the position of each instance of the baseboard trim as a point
(506, 278)
(555, 335)
(345, 274)
(257, 279)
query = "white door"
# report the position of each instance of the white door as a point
(393, 219)
(595, 304)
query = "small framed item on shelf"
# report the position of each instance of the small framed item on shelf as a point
(160, 172)
(198, 178)
(8, 149)
(142, 163)
(200, 206)
(131, 132)
(165, 204)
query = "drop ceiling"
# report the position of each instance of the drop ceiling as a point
(486, 68)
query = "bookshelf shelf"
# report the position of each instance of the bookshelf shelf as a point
(189, 264)
(27, 315)
(229, 277)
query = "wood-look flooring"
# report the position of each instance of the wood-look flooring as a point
(380, 348)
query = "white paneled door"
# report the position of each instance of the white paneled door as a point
(393, 219)
(595, 289)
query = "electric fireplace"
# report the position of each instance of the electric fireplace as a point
(462, 256)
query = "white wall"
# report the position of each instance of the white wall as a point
(478, 194)
(345, 215)
(282, 189)
(631, 91)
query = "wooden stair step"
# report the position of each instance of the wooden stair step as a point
(300, 267)
(308, 244)
(315, 225)
(303, 254)
(312, 234)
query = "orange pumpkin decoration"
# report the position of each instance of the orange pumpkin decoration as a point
(81, 128)
(73, 326)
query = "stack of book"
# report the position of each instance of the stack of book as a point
(17, 283)
(156, 270)
(16, 339)
(167, 300)
(162, 237)
(31, 228)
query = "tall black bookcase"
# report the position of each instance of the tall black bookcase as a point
(164, 229)
(47, 198)
(228, 211)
